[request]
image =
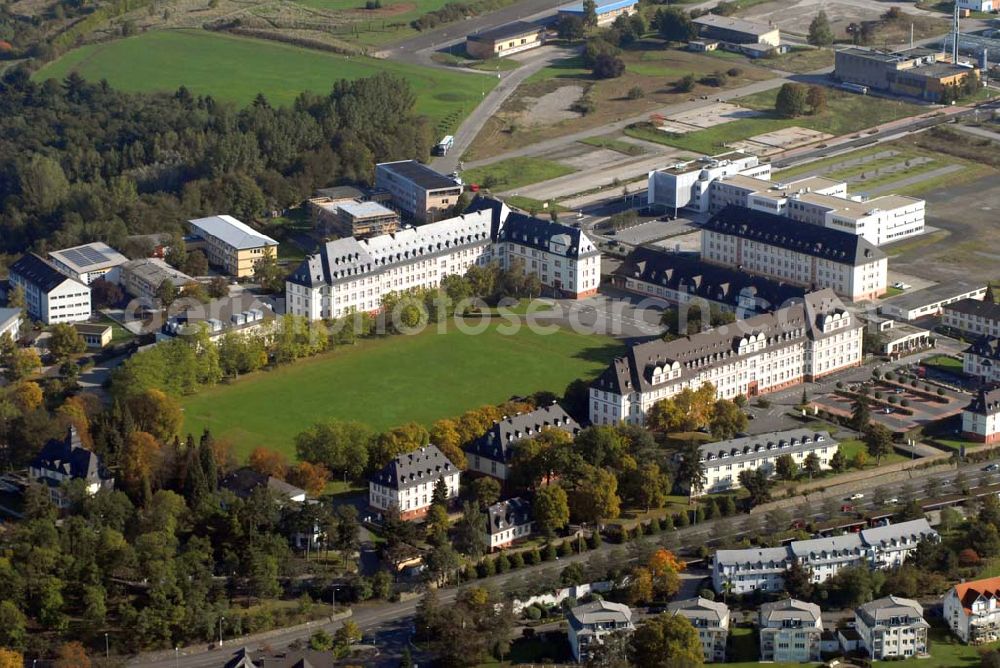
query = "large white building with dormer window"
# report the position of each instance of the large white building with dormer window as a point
(724, 461)
(354, 275)
(762, 354)
(407, 482)
(972, 610)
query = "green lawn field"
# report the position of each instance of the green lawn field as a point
(236, 69)
(516, 173)
(386, 382)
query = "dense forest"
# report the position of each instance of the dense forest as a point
(81, 161)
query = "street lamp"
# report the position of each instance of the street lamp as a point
(221, 619)
(107, 648)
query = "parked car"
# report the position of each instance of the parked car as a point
(891, 501)
(900, 285)
(856, 496)
(992, 467)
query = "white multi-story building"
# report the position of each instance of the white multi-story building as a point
(791, 631)
(507, 521)
(687, 185)
(761, 354)
(977, 5)
(763, 569)
(892, 627)
(65, 459)
(51, 297)
(778, 248)
(978, 317)
(723, 462)
(353, 275)
(981, 418)
(589, 624)
(10, 323)
(492, 452)
(711, 620)
(407, 482)
(982, 359)
(972, 610)
(88, 262)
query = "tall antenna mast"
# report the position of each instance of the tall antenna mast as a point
(954, 36)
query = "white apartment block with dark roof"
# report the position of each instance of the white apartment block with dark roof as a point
(978, 317)
(50, 296)
(982, 359)
(507, 521)
(761, 354)
(752, 569)
(981, 418)
(492, 452)
(711, 620)
(589, 624)
(790, 631)
(407, 482)
(354, 275)
(88, 262)
(892, 627)
(774, 246)
(724, 461)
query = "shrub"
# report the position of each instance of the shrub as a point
(686, 83)
(840, 384)
(667, 523)
(716, 80)
(516, 560)
(940, 392)
(904, 403)
(636, 93)
(607, 66)
(532, 557)
(734, 71)
(565, 549)
(373, 4)
(549, 552)
(914, 383)
(889, 376)
(707, 593)
(763, 403)
(485, 568)
(893, 399)
(595, 540)
(878, 395)
(533, 613)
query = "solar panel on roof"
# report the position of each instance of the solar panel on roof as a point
(84, 256)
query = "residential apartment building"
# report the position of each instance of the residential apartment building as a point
(753, 569)
(606, 11)
(589, 624)
(981, 418)
(142, 278)
(10, 323)
(231, 245)
(407, 482)
(505, 40)
(892, 628)
(776, 247)
(353, 275)
(982, 359)
(65, 459)
(972, 610)
(761, 354)
(88, 262)
(684, 280)
(417, 190)
(930, 301)
(723, 462)
(506, 522)
(978, 317)
(826, 203)
(711, 620)
(921, 73)
(977, 5)
(791, 631)
(491, 453)
(50, 296)
(688, 185)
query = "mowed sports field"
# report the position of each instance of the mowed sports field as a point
(237, 69)
(386, 382)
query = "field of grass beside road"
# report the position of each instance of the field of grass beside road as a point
(516, 173)
(386, 382)
(236, 69)
(846, 113)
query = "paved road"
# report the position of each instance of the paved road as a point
(509, 81)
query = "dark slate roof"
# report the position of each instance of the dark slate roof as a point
(976, 307)
(39, 271)
(506, 514)
(538, 233)
(506, 31)
(986, 402)
(692, 276)
(787, 326)
(420, 174)
(242, 482)
(985, 346)
(496, 443)
(67, 456)
(428, 464)
(783, 232)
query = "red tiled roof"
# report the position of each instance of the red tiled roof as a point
(968, 592)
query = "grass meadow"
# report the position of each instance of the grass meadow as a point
(386, 382)
(236, 69)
